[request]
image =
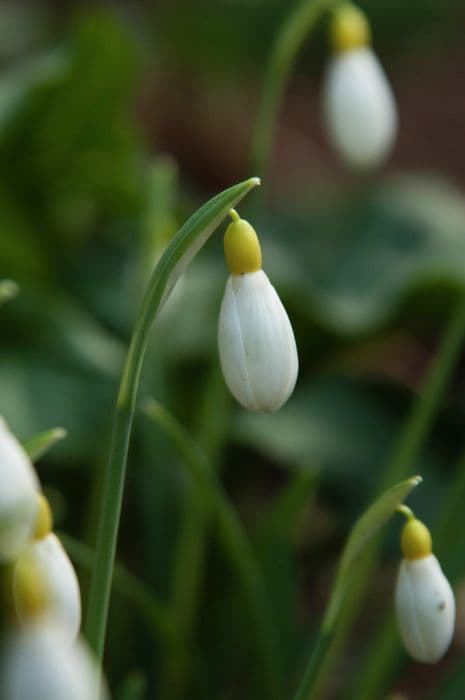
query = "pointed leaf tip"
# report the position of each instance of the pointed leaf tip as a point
(41, 443)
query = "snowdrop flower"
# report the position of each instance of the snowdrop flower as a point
(36, 665)
(425, 602)
(47, 557)
(256, 342)
(359, 107)
(18, 495)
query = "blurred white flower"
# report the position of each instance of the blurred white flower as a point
(358, 104)
(256, 342)
(18, 495)
(36, 665)
(359, 108)
(425, 608)
(62, 606)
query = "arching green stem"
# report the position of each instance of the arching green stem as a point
(184, 246)
(296, 29)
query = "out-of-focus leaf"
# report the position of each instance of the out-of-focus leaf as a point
(134, 687)
(8, 290)
(277, 548)
(67, 143)
(36, 392)
(354, 263)
(330, 424)
(362, 532)
(40, 444)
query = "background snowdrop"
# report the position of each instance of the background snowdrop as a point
(425, 602)
(359, 109)
(256, 342)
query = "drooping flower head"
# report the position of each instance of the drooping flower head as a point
(256, 342)
(359, 108)
(425, 602)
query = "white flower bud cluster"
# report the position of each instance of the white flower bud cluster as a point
(43, 657)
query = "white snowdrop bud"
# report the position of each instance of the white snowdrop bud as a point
(36, 665)
(62, 604)
(256, 342)
(425, 602)
(359, 108)
(18, 489)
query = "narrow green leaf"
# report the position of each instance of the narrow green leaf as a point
(8, 290)
(363, 531)
(41, 443)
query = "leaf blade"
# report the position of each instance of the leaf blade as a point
(41, 443)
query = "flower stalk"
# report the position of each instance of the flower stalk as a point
(297, 28)
(187, 242)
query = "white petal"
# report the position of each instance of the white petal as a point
(359, 107)
(256, 342)
(36, 665)
(18, 489)
(425, 608)
(60, 581)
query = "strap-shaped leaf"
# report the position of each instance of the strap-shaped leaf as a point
(41, 443)
(362, 532)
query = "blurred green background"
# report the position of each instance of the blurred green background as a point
(116, 121)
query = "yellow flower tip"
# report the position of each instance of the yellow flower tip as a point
(415, 540)
(44, 522)
(349, 28)
(30, 594)
(241, 246)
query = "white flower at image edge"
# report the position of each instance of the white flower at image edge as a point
(425, 608)
(359, 108)
(256, 343)
(36, 665)
(63, 600)
(18, 495)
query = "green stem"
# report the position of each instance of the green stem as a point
(176, 257)
(293, 32)
(405, 454)
(236, 546)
